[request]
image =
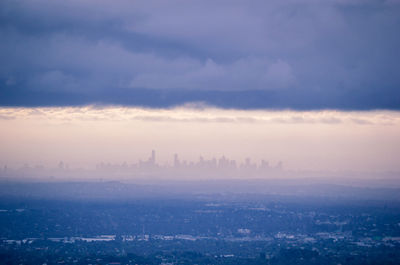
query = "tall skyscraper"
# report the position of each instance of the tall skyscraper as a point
(176, 161)
(153, 156)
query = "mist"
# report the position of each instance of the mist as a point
(86, 137)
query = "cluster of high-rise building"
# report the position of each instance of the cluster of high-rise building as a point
(213, 163)
(214, 167)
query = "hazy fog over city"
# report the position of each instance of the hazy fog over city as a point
(199, 132)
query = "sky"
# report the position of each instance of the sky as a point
(315, 84)
(296, 54)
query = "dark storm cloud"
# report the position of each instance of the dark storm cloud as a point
(235, 54)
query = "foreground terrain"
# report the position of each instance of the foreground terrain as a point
(47, 227)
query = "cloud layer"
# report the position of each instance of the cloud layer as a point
(233, 54)
(199, 114)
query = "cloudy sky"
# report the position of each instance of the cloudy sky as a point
(296, 54)
(315, 84)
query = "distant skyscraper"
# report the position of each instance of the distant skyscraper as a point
(176, 160)
(264, 164)
(279, 165)
(153, 157)
(201, 162)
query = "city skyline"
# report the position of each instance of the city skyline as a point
(176, 162)
(221, 167)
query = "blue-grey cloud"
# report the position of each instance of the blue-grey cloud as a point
(234, 54)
